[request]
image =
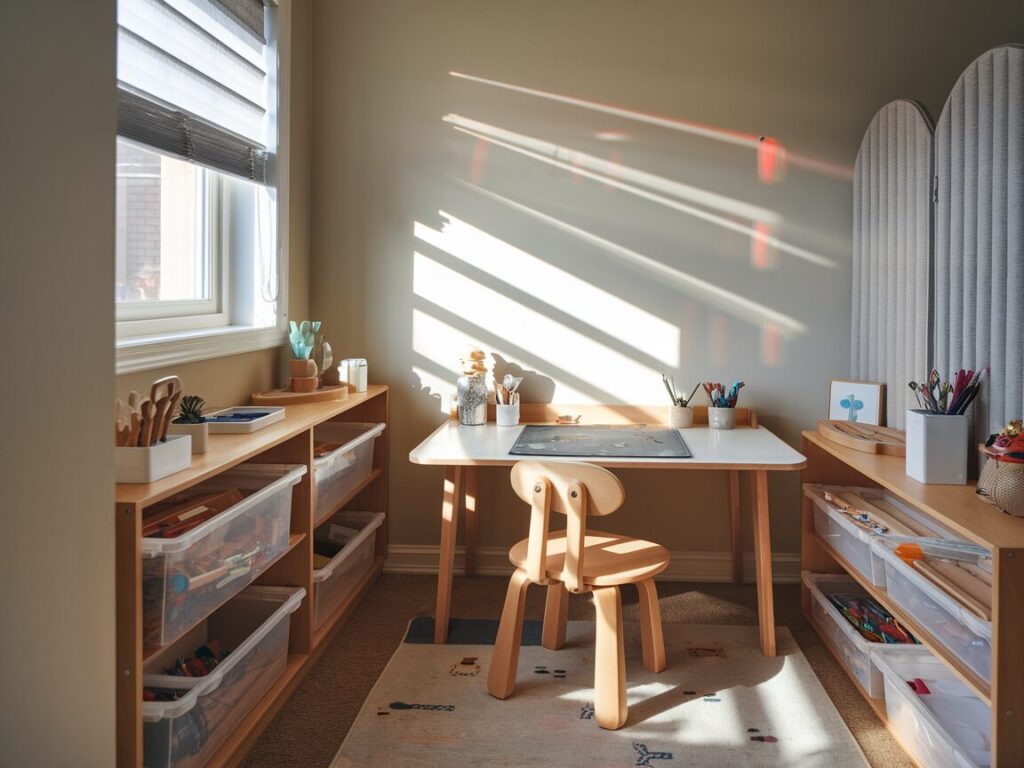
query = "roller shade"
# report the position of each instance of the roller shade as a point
(193, 81)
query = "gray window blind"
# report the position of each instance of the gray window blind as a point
(193, 81)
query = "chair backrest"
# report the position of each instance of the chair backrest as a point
(574, 490)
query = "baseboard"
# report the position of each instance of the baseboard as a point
(685, 566)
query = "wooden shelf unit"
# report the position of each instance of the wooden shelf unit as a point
(289, 441)
(959, 509)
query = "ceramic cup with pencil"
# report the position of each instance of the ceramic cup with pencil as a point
(937, 431)
(680, 413)
(722, 412)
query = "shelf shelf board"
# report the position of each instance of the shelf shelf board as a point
(293, 541)
(334, 622)
(233, 751)
(969, 677)
(955, 506)
(377, 472)
(229, 450)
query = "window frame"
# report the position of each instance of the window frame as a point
(145, 344)
(149, 318)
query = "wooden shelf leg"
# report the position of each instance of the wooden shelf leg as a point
(469, 519)
(763, 564)
(449, 527)
(735, 527)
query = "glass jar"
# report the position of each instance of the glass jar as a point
(471, 392)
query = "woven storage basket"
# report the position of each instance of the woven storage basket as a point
(1002, 484)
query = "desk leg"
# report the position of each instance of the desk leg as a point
(735, 528)
(449, 527)
(763, 562)
(469, 519)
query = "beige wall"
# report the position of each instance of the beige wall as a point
(57, 249)
(584, 281)
(230, 380)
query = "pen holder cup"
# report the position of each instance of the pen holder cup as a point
(721, 418)
(937, 447)
(680, 416)
(506, 415)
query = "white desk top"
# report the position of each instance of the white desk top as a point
(740, 448)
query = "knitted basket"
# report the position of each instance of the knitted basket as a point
(1002, 485)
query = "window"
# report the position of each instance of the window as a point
(197, 210)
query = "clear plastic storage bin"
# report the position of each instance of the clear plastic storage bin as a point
(339, 472)
(852, 542)
(187, 732)
(947, 728)
(966, 635)
(184, 579)
(853, 648)
(333, 583)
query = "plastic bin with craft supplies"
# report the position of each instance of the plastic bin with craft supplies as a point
(851, 541)
(348, 540)
(967, 635)
(343, 458)
(201, 547)
(853, 647)
(935, 717)
(186, 719)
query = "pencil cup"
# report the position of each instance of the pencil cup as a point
(721, 418)
(506, 415)
(680, 416)
(937, 447)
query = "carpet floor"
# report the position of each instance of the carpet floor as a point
(312, 724)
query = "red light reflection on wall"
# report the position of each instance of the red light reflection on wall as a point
(771, 160)
(771, 345)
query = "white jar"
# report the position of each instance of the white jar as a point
(721, 418)
(680, 416)
(507, 415)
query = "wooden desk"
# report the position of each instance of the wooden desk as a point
(748, 449)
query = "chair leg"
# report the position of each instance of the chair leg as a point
(609, 660)
(501, 678)
(650, 627)
(556, 614)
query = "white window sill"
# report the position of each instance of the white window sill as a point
(142, 353)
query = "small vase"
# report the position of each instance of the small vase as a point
(472, 399)
(199, 432)
(506, 415)
(721, 418)
(680, 416)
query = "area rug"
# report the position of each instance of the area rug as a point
(719, 702)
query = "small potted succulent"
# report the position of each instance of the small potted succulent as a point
(303, 369)
(190, 421)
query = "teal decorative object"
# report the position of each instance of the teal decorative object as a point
(303, 338)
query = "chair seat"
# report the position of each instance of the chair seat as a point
(608, 559)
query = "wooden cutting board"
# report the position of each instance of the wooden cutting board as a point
(864, 437)
(287, 397)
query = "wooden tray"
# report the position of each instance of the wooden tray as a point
(864, 437)
(287, 397)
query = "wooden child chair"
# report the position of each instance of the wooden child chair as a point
(578, 560)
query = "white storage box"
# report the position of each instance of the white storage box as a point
(339, 472)
(854, 648)
(849, 540)
(145, 465)
(946, 728)
(962, 632)
(333, 583)
(254, 627)
(221, 556)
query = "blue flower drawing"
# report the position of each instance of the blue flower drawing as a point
(853, 405)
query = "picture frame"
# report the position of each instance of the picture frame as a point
(862, 402)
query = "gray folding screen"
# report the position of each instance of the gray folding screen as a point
(891, 240)
(979, 232)
(973, 295)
